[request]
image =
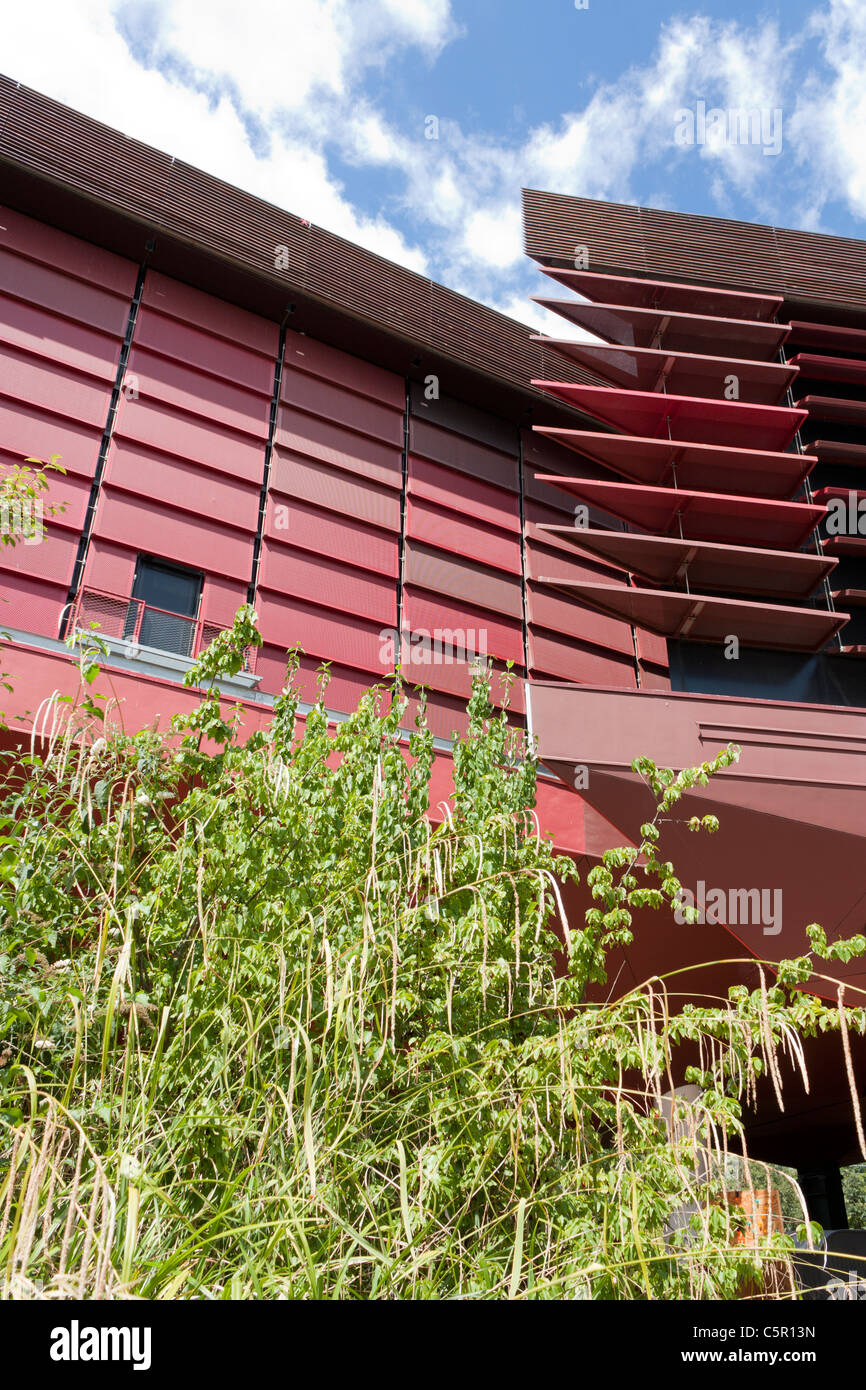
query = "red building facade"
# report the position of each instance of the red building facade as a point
(249, 409)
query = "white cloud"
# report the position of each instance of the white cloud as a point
(281, 56)
(77, 53)
(271, 58)
(494, 236)
(831, 117)
(280, 99)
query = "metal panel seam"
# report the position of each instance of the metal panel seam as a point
(266, 469)
(404, 506)
(96, 486)
(524, 567)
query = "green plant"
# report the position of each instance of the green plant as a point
(21, 491)
(21, 503)
(267, 1030)
(854, 1185)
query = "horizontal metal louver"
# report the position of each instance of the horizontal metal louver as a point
(159, 197)
(625, 240)
(720, 554)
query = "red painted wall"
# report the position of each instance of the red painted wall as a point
(463, 565)
(329, 568)
(63, 311)
(185, 466)
(346, 553)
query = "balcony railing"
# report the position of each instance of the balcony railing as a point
(137, 628)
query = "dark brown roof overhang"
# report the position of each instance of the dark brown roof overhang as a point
(802, 268)
(88, 179)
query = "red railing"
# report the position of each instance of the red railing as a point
(139, 624)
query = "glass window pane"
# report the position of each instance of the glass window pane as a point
(161, 586)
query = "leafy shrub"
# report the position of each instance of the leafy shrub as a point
(267, 1030)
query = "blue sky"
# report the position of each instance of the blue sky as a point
(324, 107)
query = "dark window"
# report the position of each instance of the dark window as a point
(165, 606)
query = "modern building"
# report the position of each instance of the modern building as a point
(654, 518)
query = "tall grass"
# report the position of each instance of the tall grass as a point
(271, 1033)
(260, 1148)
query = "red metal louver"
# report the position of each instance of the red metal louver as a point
(841, 412)
(681, 441)
(850, 370)
(676, 331)
(704, 618)
(669, 560)
(655, 415)
(683, 373)
(667, 294)
(828, 335)
(714, 516)
(701, 467)
(834, 451)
